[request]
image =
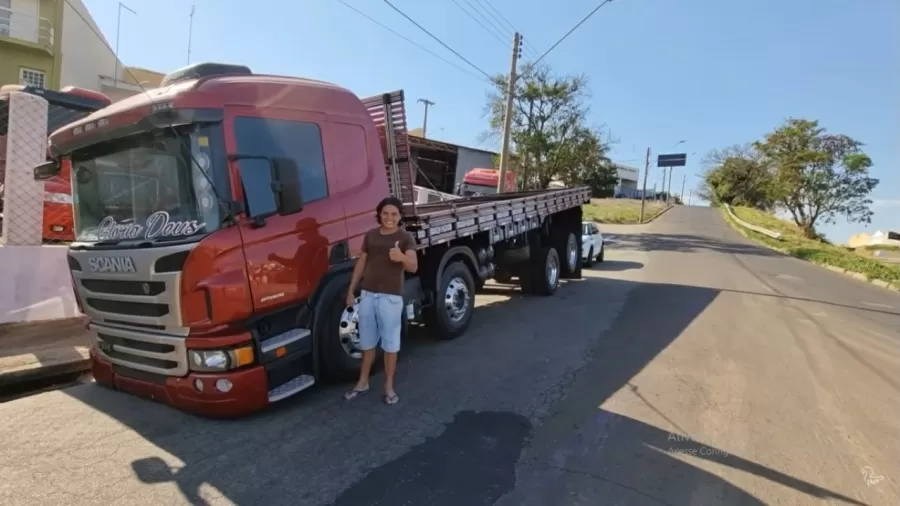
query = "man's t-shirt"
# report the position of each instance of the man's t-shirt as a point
(382, 275)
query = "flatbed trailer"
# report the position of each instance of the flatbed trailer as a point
(224, 314)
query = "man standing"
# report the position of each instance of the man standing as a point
(387, 251)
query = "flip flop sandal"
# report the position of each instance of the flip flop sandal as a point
(391, 399)
(353, 394)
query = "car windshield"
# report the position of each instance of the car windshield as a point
(147, 187)
(475, 190)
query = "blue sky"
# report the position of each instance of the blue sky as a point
(710, 72)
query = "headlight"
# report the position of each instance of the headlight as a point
(220, 360)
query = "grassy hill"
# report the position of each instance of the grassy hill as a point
(621, 211)
(794, 243)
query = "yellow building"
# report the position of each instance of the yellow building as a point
(30, 46)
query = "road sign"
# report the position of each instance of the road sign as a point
(676, 160)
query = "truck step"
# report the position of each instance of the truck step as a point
(292, 387)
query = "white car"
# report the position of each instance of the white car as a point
(591, 243)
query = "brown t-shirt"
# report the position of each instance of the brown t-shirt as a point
(382, 275)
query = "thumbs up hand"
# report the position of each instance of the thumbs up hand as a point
(395, 253)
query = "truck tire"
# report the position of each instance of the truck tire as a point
(454, 302)
(545, 272)
(569, 252)
(333, 331)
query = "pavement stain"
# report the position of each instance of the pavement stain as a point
(472, 462)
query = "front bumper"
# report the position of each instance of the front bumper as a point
(248, 391)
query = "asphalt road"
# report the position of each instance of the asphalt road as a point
(691, 368)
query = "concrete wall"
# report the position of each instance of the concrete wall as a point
(36, 284)
(85, 54)
(468, 159)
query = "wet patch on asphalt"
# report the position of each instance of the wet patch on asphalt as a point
(472, 462)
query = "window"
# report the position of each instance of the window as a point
(5, 17)
(257, 181)
(31, 77)
(299, 141)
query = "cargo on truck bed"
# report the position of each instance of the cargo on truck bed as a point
(216, 280)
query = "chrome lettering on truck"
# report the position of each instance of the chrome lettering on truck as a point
(111, 264)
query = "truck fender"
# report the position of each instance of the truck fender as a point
(455, 253)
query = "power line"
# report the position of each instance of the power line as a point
(597, 8)
(489, 30)
(501, 20)
(407, 39)
(420, 27)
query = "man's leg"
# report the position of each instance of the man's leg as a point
(367, 327)
(390, 316)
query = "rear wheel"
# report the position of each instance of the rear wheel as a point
(590, 258)
(454, 302)
(543, 273)
(570, 252)
(600, 256)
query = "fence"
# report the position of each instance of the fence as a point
(36, 212)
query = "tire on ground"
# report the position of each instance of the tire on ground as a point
(337, 364)
(436, 316)
(562, 243)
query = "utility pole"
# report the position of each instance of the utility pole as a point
(190, 34)
(669, 190)
(118, 26)
(681, 195)
(508, 112)
(690, 196)
(644, 190)
(425, 122)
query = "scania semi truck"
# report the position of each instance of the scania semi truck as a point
(217, 219)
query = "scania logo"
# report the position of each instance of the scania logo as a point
(146, 288)
(111, 264)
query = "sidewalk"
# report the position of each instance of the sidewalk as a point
(39, 351)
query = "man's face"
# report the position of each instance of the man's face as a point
(390, 216)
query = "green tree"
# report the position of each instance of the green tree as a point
(548, 131)
(818, 176)
(738, 176)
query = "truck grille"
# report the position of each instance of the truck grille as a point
(155, 353)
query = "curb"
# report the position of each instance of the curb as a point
(657, 215)
(43, 373)
(853, 274)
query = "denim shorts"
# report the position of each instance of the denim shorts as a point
(380, 319)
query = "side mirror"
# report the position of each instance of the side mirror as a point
(46, 171)
(286, 185)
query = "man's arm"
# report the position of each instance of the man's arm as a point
(358, 268)
(410, 259)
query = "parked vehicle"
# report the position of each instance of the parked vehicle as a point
(592, 245)
(217, 219)
(478, 182)
(64, 106)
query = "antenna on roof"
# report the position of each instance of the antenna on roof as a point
(190, 33)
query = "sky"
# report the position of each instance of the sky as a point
(713, 73)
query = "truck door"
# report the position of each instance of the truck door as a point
(287, 256)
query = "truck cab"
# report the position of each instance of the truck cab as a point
(207, 213)
(478, 182)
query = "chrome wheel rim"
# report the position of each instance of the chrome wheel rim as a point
(456, 300)
(552, 271)
(348, 331)
(572, 252)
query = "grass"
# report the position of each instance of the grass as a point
(621, 211)
(795, 244)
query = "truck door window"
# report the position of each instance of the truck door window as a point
(256, 178)
(297, 140)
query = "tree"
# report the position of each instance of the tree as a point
(817, 176)
(548, 132)
(586, 164)
(737, 176)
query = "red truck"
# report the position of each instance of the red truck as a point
(217, 219)
(478, 182)
(63, 107)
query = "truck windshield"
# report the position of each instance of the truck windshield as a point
(474, 190)
(149, 187)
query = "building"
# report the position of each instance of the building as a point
(887, 238)
(627, 186)
(55, 43)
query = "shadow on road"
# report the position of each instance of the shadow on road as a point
(616, 265)
(363, 453)
(685, 243)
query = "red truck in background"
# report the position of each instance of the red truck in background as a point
(478, 182)
(64, 106)
(217, 219)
